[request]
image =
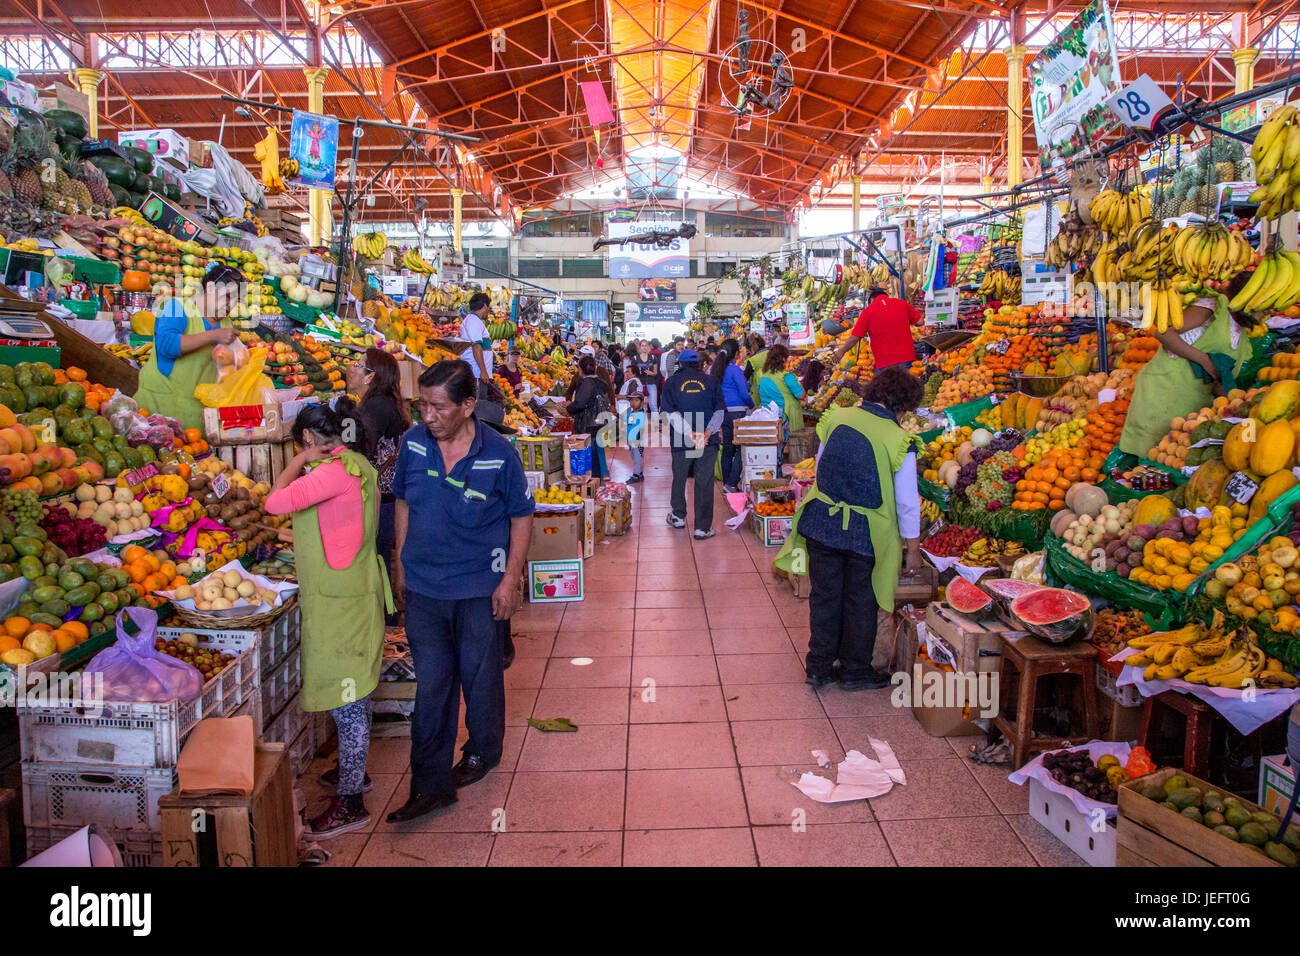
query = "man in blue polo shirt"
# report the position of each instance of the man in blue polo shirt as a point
(463, 521)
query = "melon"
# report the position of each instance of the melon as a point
(980, 437)
(1154, 510)
(1054, 614)
(965, 598)
(964, 452)
(1085, 499)
(948, 473)
(1006, 590)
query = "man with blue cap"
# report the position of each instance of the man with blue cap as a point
(693, 405)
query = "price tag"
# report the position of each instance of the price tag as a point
(773, 315)
(220, 484)
(1240, 488)
(141, 474)
(1141, 104)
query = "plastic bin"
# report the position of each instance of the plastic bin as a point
(137, 847)
(1056, 813)
(283, 684)
(73, 795)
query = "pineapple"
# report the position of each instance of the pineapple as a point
(6, 188)
(81, 193)
(1224, 171)
(27, 187)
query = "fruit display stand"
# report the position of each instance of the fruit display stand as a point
(1148, 834)
(76, 350)
(253, 830)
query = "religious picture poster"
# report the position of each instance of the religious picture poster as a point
(314, 143)
(1070, 81)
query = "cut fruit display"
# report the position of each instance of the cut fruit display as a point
(1006, 590)
(965, 598)
(1054, 614)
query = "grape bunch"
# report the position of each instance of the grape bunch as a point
(21, 504)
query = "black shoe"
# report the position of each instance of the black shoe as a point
(330, 781)
(872, 680)
(419, 804)
(635, 478)
(817, 682)
(344, 815)
(508, 657)
(471, 769)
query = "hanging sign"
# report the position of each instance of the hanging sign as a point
(1070, 81)
(314, 143)
(796, 319)
(649, 261)
(1141, 104)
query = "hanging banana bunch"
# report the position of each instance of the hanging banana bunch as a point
(1276, 153)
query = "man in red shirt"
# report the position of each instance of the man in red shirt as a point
(887, 322)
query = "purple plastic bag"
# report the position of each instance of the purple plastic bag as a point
(134, 671)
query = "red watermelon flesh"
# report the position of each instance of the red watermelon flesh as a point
(1006, 590)
(965, 598)
(1054, 614)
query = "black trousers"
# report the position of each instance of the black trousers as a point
(731, 454)
(703, 466)
(841, 611)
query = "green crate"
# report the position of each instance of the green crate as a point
(81, 308)
(13, 354)
(967, 412)
(98, 271)
(300, 313)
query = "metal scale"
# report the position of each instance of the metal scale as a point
(24, 336)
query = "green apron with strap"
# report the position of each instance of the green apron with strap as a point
(173, 394)
(755, 365)
(342, 609)
(793, 408)
(1167, 388)
(890, 444)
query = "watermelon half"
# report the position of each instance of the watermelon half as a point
(1054, 614)
(1006, 590)
(965, 598)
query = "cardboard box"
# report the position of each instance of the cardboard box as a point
(409, 372)
(1058, 815)
(557, 536)
(536, 480)
(550, 582)
(1276, 784)
(577, 456)
(317, 268)
(588, 527)
(598, 523)
(758, 455)
(772, 531)
(19, 93)
(973, 645)
(173, 220)
(239, 427)
(757, 432)
(941, 721)
(60, 96)
(163, 143)
(765, 489)
(752, 473)
(583, 487)
(200, 153)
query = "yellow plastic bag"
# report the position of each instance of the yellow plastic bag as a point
(241, 387)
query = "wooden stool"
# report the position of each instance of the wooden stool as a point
(1200, 728)
(1033, 659)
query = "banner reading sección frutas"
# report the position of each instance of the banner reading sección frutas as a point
(649, 261)
(1070, 81)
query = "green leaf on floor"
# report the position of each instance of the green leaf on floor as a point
(561, 724)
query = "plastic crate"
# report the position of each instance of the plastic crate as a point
(1058, 815)
(73, 795)
(303, 749)
(285, 726)
(283, 684)
(1128, 696)
(131, 734)
(273, 641)
(137, 847)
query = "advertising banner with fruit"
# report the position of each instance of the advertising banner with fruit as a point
(1070, 81)
(314, 146)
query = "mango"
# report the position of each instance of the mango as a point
(1273, 448)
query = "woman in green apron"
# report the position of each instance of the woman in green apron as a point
(1194, 365)
(847, 531)
(776, 385)
(332, 492)
(181, 359)
(753, 365)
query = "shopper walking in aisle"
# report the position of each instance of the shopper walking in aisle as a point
(695, 410)
(376, 379)
(184, 340)
(776, 385)
(332, 491)
(464, 519)
(757, 349)
(615, 355)
(736, 398)
(668, 362)
(887, 322)
(473, 329)
(592, 400)
(847, 529)
(634, 428)
(648, 371)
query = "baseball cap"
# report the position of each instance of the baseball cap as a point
(586, 350)
(688, 355)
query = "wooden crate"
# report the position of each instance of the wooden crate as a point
(762, 432)
(256, 830)
(1148, 834)
(976, 645)
(261, 462)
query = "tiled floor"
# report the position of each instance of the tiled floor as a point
(692, 715)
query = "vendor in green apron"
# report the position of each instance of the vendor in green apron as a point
(753, 365)
(332, 491)
(847, 531)
(1194, 365)
(777, 385)
(183, 338)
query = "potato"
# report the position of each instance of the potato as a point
(230, 594)
(184, 569)
(221, 604)
(103, 493)
(232, 579)
(246, 588)
(202, 605)
(184, 592)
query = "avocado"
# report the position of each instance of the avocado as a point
(91, 612)
(1155, 792)
(113, 464)
(44, 581)
(102, 445)
(1192, 814)
(106, 581)
(1212, 818)
(1252, 833)
(1184, 798)
(70, 579)
(40, 617)
(102, 427)
(29, 529)
(1280, 854)
(87, 569)
(1270, 823)
(6, 523)
(119, 443)
(1224, 830)
(76, 431)
(109, 602)
(1176, 782)
(147, 454)
(1292, 837)
(27, 609)
(56, 608)
(84, 594)
(98, 628)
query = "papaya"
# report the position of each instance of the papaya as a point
(1206, 485)
(1008, 411)
(48, 592)
(1236, 450)
(83, 595)
(1033, 408)
(27, 547)
(1282, 400)
(57, 607)
(1154, 510)
(1272, 449)
(1273, 487)
(29, 529)
(40, 617)
(91, 612)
